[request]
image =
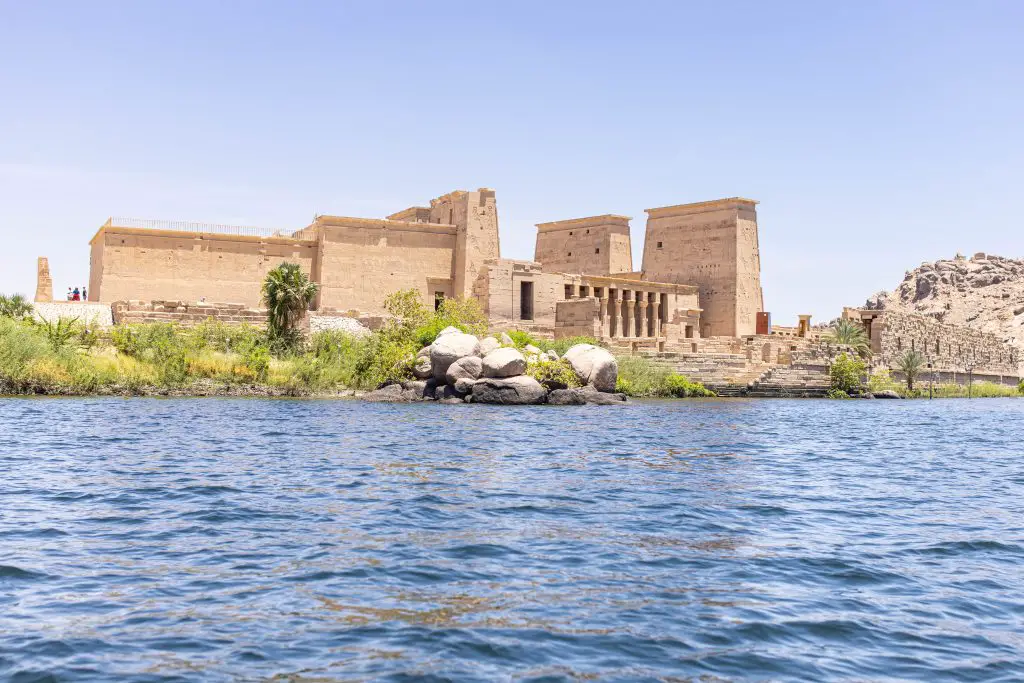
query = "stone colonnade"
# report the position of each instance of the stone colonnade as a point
(627, 313)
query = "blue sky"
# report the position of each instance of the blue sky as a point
(876, 135)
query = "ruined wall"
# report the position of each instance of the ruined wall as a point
(85, 312)
(500, 294)
(362, 260)
(186, 313)
(949, 348)
(712, 245)
(128, 263)
(578, 318)
(475, 217)
(599, 245)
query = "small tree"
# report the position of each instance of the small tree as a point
(14, 306)
(850, 333)
(287, 294)
(910, 364)
(845, 375)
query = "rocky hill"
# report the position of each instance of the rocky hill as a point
(984, 292)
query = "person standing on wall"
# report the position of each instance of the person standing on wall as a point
(76, 295)
(85, 294)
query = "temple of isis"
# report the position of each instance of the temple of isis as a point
(700, 275)
(695, 303)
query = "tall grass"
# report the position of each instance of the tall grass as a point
(641, 377)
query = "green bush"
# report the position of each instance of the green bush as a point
(638, 376)
(62, 333)
(14, 306)
(553, 373)
(560, 346)
(845, 374)
(837, 393)
(384, 359)
(881, 380)
(680, 386)
(522, 339)
(1020, 387)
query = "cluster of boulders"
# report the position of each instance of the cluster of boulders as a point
(459, 368)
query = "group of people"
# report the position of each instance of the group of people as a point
(78, 294)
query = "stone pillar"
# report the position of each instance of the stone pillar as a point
(44, 283)
(642, 332)
(629, 319)
(656, 317)
(605, 317)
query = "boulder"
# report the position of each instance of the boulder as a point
(888, 393)
(530, 349)
(601, 398)
(449, 348)
(552, 355)
(506, 340)
(469, 367)
(595, 366)
(509, 391)
(488, 344)
(422, 368)
(392, 393)
(464, 385)
(566, 397)
(448, 330)
(417, 390)
(448, 394)
(503, 363)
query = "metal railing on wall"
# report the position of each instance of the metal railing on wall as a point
(189, 226)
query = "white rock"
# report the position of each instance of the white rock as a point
(448, 330)
(504, 362)
(464, 385)
(469, 367)
(552, 355)
(450, 347)
(594, 365)
(423, 368)
(530, 348)
(506, 340)
(488, 344)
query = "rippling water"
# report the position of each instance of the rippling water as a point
(215, 539)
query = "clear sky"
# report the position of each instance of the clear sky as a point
(876, 135)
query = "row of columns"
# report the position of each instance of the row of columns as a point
(631, 314)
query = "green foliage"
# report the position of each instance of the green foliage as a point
(256, 359)
(845, 374)
(61, 333)
(881, 380)
(521, 339)
(1020, 387)
(553, 373)
(641, 377)
(560, 346)
(287, 294)
(14, 306)
(851, 333)
(331, 360)
(837, 393)
(680, 386)
(385, 359)
(910, 364)
(218, 336)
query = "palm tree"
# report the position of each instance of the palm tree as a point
(287, 294)
(850, 333)
(910, 364)
(14, 306)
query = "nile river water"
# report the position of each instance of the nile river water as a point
(224, 540)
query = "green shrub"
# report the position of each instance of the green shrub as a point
(560, 346)
(61, 333)
(638, 376)
(837, 393)
(522, 339)
(256, 359)
(384, 359)
(881, 380)
(553, 373)
(845, 374)
(1020, 387)
(14, 306)
(680, 386)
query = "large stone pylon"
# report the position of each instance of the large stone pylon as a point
(44, 283)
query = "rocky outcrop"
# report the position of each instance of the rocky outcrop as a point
(450, 346)
(984, 292)
(595, 366)
(519, 390)
(504, 363)
(468, 367)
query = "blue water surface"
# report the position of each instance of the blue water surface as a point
(229, 540)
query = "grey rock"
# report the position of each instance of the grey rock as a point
(464, 385)
(448, 330)
(392, 393)
(506, 340)
(469, 367)
(586, 395)
(488, 344)
(449, 348)
(531, 349)
(509, 391)
(594, 366)
(423, 367)
(888, 393)
(566, 397)
(448, 394)
(503, 363)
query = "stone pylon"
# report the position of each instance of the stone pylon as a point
(44, 283)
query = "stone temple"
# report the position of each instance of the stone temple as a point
(700, 275)
(695, 303)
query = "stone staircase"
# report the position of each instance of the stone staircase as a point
(797, 381)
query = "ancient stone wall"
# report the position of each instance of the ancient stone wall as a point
(142, 264)
(475, 216)
(501, 290)
(949, 348)
(185, 313)
(361, 260)
(578, 318)
(85, 312)
(599, 245)
(712, 245)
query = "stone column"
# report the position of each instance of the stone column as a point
(642, 332)
(629, 319)
(655, 319)
(605, 318)
(44, 283)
